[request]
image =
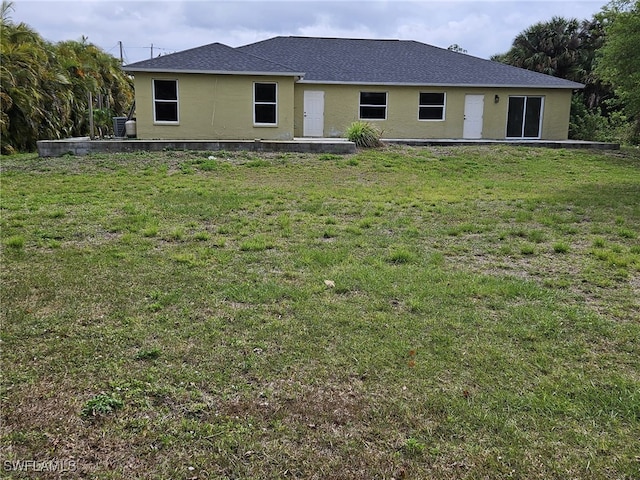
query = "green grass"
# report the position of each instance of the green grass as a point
(398, 313)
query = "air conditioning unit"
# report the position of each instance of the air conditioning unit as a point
(119, 129)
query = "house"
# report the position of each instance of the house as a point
(287, 87)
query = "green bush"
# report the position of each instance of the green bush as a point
(364, 134)
(586, 124)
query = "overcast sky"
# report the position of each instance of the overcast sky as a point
(482, 27)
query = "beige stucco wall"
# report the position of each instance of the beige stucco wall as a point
(213, 107)
(342, 105)
(221, 107)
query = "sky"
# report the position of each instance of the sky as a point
(482, 27)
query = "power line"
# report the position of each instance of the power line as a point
(153, 49)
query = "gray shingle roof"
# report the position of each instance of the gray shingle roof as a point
(341, 60)
(394, 62)
(213, 58)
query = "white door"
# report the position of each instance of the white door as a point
(313, 125)
(473, 111)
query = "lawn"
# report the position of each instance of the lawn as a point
(406, 313)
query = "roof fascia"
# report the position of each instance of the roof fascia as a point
(213, 72)
(573, 85)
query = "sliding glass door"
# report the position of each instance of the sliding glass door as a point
(524, 119)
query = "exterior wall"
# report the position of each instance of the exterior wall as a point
(221, 107)
(213, 107)
(342, 108)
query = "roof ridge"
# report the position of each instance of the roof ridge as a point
(239, 49)
(306, 37)
(349, 38)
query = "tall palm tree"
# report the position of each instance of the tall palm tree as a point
(547, 47)
(563, 48)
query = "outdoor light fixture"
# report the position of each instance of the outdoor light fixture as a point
(496, 99)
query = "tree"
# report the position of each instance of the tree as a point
(547, 47)
(456, 48)
(44, 86)
(29, 85)
(89, 69)
(619, 58)
(568, 49)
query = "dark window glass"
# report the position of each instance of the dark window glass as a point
(166, 111)
(431, 113)
(523, 119)
(265, 113)
(373, 113)
(432, 99)
(165, 93)
(373, 98)
(515, 116)
(265, 103)
(532, 117)
(165, 89)
(373, 105)
(265, 92)
(431, 106)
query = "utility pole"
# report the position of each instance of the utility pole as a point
(121, 56)
(91, 124)
(152, 50)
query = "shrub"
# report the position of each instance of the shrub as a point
(364, 134)
(592, 125)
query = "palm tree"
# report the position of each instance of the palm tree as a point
(44, 86)
(547, 47)
(563, 48)
(89, 69)
(24, 60)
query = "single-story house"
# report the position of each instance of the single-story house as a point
(287, 87)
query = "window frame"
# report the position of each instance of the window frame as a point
(371, 105)
(523, 125)
(274, 103)
(165, 101)
(443, 106)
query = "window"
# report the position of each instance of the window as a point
(165, 101)
(524, 117)
(265, 104)
(431, 106)
(373, 105)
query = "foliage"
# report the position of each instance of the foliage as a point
(551, 47)
(564, 48)
(590, 124)
(456, 48)
(593, 52)
(364, 134)
(44, 86)
(619, 58)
